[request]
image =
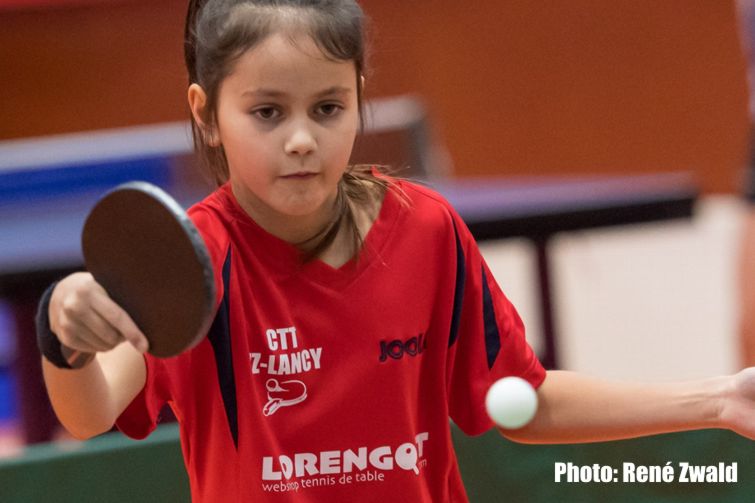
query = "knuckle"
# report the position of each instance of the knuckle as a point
(69, 305)
(63, 327)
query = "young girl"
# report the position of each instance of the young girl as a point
(355, 313)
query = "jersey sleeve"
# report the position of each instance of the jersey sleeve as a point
(143, 413)
(487, 339)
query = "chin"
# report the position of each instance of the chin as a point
(298, 210)
(303, 204)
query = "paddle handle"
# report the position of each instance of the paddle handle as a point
(75, 358)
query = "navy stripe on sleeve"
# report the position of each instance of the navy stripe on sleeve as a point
(220, 338)
(461, 277)
(492, 336)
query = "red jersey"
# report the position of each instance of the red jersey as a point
(336, 384)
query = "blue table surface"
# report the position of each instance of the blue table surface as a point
(41, 223)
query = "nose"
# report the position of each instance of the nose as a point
(301, 141)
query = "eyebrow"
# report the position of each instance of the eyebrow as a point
(272, 93)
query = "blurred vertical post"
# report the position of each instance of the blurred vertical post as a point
(746, 265)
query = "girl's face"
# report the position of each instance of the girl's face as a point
(287, 117)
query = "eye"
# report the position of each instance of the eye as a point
(329, 109)
(266, 113)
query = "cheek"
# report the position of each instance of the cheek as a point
(247, 154)
(344, 144)
(337, 160)
(343, 148)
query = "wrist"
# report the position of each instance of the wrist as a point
(48, 343)
(719, 390)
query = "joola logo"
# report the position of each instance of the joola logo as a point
(397, 348)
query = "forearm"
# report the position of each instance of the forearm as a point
(87, 401)
(574, 408)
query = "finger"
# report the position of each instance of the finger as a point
(80, 337)
(119, 319)
(101, 329)
(78, 324)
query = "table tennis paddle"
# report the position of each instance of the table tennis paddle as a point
(141, 246)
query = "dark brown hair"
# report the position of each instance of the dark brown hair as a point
(218, 32)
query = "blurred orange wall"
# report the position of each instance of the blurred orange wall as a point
(76, 68)
(575, 86)
(515, 87)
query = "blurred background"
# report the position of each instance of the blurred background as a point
(518, 90)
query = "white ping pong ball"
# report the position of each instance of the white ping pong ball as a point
(511, 402)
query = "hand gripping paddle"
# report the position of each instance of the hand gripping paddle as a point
(140, 245)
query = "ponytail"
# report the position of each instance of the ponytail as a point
(359, 187)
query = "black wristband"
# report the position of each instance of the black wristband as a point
(47, 342)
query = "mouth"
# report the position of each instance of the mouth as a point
(300, 175)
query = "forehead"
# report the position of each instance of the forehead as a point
(292, 65)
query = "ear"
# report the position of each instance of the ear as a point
(361, 84)
(197, 104)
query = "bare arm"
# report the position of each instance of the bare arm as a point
(89, 400)
(574, 408)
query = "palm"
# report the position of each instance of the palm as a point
(738, 410)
